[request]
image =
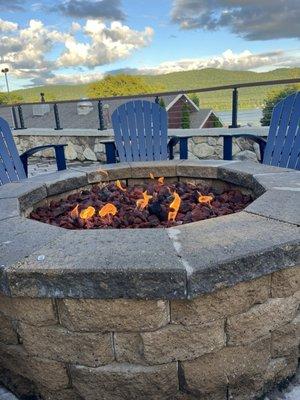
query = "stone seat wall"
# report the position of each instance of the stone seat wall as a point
(90, 148)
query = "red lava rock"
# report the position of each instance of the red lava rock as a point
(58, 212)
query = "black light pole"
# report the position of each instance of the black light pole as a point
(13, 111)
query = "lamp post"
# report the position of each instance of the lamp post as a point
(5, 71)
(13, 111)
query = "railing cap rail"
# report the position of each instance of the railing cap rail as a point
(175, 92)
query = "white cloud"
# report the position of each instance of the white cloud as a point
(74, 78)
(27, 51)
(7, 26)
(105, 45)
(228, 60)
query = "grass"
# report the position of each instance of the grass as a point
(248, 97)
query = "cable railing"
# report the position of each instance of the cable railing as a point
(58, 111)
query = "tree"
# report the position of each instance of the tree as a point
(272, 99)
(162, 103)
(195, 99)
(10, 98)
(121, 85)
(185, 117)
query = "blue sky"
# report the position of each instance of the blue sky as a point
(84, 39)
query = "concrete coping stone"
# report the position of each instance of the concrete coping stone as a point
(39, 260)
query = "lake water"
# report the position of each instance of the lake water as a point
(245, 117)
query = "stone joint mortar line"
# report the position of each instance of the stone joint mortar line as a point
(173, 234)
(275, 219)
(113, 346)
(56, 310)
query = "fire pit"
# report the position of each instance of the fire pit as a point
(149, 205)
(204, 306)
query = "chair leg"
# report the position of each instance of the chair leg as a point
(24, 160)
(60, 158)
(227, 147)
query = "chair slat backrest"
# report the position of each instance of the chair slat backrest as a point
(283, 145)
(11, 167)
(141, 131)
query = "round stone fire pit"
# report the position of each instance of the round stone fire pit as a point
(205, 310)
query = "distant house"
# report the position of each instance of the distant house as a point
(199, 117)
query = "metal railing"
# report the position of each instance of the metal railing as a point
(19, 122)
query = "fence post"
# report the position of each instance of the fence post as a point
(21, 118)
(235, 99)
(15, 119)
(100, 115)
(56, 116)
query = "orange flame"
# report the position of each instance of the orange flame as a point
(143, 203)
(161, 180)
(87, 213)
(205, 199)
(119, 186)
(151, 175)
(75, 213)
(108, 209)
(174, 207)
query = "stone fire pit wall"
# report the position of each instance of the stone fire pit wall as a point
(207, 310)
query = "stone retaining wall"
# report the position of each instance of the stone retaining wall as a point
(234, 343)
(90, 148)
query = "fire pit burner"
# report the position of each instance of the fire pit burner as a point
(149, 205)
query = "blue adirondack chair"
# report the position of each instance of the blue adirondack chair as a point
(141, 133)
(282, 148)
(14, 167)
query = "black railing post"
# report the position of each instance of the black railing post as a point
(15, 119)
(157, 100)
(21, 118)
(56, 116)
(100, 115)
(235, 99)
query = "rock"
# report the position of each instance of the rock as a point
(126, 382)
(203, 150)
(115, 315)
(89, 154)
(260, 320)
(246, 155)
(70, 152)
(99, 148)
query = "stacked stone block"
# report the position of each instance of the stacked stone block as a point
(234, 343)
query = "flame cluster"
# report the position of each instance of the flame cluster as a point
(110, 209)
(89, 212)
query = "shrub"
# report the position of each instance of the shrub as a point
(185, 117)
(195, 99)
(272, 99)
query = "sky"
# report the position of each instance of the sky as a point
(78, 41)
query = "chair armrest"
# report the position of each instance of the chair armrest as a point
(59, 155)
(110, 151)
(257, 139)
